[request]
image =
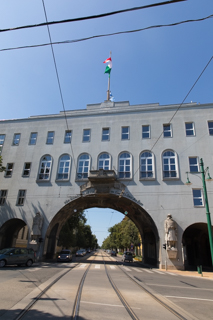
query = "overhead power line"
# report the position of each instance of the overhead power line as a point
(102, 15)
(108, 34)
(58, 80)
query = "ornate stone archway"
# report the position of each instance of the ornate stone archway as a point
(103, 190)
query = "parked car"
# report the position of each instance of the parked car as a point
(18, 256)
(80, 253)
(113, 253)
(64, 255)
(127, 256)
(84, 251)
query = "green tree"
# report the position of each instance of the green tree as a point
(122, 235)
(76, 233)
(2, 168)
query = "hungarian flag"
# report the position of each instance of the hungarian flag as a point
(109, 65)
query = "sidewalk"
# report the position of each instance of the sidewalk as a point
(205, 274)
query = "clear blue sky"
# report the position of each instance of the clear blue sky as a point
(155, 65)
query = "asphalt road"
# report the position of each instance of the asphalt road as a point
(99, 301)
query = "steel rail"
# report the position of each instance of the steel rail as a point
(29, 306)
(38, 297)
(78, 296)
(120, 296)
(177, 314)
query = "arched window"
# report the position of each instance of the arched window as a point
(64, 167)
(45, 168)
(104, 161)
(83, 166)
(146, 165)
(170, 164)
(124, 165)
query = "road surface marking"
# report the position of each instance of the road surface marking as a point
(110, 305)
(127, 269)
(172, 274)
(148, 271)
(189, 298)
(160, 272)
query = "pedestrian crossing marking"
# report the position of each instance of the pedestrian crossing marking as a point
(172, 274)
(127, 269)
(33, 269)
(97, 266)
(149, 271)
(112, 267)
(160, 272)
(138, 270)
(83, 265)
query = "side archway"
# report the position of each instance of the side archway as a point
(196, 246)
(9, 232)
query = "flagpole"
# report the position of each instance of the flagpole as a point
(108, 91)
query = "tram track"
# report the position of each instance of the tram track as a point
(75, 312)
(153, 295)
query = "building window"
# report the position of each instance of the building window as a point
(26, 171)
(50, 137)
(83, 166)
(105, 134)
(146, 165)
(33, 138)
(193, 164)
(125, 133)
(2, 138)
(104, 161)
(86, 135)
(67, 136)
(9, 170)
(169, 165)
(167, 130)
(197, 197)
(190, 131)
(145, 132)
(45, 168)
(21, 197)
(210, 125)
(3, 196)
(64, 167)
(16, 139)
(124, 171)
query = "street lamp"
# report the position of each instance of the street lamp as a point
(203, 173)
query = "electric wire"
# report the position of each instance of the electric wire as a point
(58, 80)
(93, 16)
(108, 34)
(178, 108)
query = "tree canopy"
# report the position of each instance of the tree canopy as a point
(2, 168)
(76, 233)
(122, 235)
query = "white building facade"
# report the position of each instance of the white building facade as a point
(133, 159)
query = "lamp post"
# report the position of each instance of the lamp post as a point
(203, 172)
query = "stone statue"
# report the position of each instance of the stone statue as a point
(170, 228)
(37, 226)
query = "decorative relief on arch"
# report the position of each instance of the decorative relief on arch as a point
(104, 182)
